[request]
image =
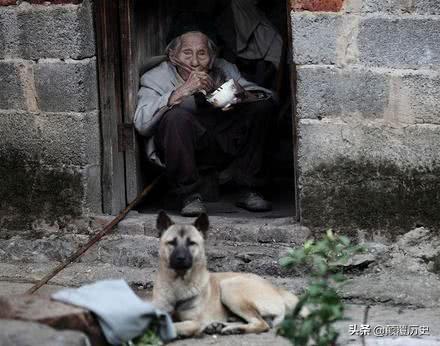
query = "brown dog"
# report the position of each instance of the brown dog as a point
(205, 302)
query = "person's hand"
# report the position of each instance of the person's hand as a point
(197, 81)
(245, 95)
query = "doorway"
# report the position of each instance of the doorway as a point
(131, 34)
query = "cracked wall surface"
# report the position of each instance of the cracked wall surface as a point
(49, 121)
(368, 116)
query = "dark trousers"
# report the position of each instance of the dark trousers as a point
(206, 138)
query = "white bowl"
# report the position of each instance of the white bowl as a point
(224, 96)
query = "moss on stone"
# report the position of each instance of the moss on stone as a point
(31, 190)
(350, 195)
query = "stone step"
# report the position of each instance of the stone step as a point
(226, 228)
(18, 277)
(140, 251)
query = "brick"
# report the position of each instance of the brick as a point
(56, 31)
(53, 140)
(332, 92)
(314, 38)
(66, 87)
(11, 91)
(403, 43)
(8, 2)
(317, 5)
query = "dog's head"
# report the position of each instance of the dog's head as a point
(181, 245)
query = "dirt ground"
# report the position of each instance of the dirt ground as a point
(396, 283)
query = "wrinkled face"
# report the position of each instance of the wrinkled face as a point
(182, 246)
(193, 51)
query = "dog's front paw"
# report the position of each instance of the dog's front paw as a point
(214, 328)
(232, 330)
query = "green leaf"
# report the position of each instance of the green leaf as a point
(287, 261)
(338, 277)
(330, 234)
(321, 298)
(344, 240)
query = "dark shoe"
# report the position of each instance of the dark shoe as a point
(253, 201)
(193, 206)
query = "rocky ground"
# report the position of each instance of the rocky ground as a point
(396, 283)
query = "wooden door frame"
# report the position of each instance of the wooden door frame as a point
(130, 86)
(118, 86)
(118, 83)
(293, 92)
(110, 102)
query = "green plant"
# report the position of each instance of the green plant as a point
(325, 258)
(149, 338)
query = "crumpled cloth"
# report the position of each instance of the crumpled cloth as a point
(256, 37)
(122, 315)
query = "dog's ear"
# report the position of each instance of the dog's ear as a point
(163, 222)
(202, 224)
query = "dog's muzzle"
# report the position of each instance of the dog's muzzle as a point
(181, 259)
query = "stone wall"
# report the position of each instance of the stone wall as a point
(49, 121)
(368, 112)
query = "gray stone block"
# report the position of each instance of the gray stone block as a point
(406, 147)
(92, 190)
(333, 92)
(8, 32)
(131, 226)
(419, 96)
(401, 6)
(56, 31)
(11, 90)
(66, 87)
(20, 333)
(54, 139)
(369, 176)
(427, 6)
(3, 31)
(31, 190)
(92, 138)
(314, 37)
(402, 43)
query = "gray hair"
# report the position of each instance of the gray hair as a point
(177, 42)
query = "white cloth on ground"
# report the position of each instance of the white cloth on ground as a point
(122, 315)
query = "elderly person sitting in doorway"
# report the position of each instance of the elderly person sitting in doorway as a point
(188, 133)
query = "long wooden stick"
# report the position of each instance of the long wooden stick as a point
(95, 239)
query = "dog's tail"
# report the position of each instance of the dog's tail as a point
(290, 301)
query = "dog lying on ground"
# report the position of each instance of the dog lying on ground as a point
(205, 302)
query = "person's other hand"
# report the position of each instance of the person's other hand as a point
(241, 92)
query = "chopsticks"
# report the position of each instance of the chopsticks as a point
(187, 68)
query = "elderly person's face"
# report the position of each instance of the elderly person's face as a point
(193, 51)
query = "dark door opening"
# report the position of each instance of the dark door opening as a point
(143, 27)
